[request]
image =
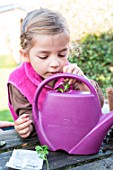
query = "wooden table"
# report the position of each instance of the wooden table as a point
(57, 160)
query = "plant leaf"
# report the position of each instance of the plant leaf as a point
(60, 90)
(66, 87)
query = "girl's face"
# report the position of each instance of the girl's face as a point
(48, 56)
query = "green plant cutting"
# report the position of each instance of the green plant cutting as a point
(43, 152)
(64, 87)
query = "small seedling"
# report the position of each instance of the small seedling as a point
(64, 87)
(43, 152)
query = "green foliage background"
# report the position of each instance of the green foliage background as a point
(96, 58)
(91, 25)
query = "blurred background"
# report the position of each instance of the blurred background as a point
(91, 27)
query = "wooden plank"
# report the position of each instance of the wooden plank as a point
(60, 160)
(13, 140)
(4, 157)
(104, 164)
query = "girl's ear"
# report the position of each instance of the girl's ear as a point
(24, 55)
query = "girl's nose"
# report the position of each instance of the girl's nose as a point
(54, 63)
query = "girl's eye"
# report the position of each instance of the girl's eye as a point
(43, 57)
(62, 55)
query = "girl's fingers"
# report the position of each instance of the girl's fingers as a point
(23, 125)
(78, 72)
(74, 69)
(26, 132)
(23, 118)
(70, 68)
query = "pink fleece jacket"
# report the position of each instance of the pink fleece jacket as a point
(26, 80)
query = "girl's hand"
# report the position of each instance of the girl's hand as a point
(74, 69)
(23, 126)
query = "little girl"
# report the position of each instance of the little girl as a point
(45, 42)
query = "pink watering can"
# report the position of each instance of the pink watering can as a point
(71, 121)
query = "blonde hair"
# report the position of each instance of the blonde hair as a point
(42, 22)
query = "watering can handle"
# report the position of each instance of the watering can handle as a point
(57, 76)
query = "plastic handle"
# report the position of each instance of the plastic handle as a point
(57, 76)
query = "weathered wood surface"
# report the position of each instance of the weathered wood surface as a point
(57, 160)
(13, 140)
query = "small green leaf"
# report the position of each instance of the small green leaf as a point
(38, 148)
(45, 147)
(66, 87)
(60, 90)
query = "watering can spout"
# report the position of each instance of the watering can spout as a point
(91, 143)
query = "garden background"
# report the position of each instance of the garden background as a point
(91, 27)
